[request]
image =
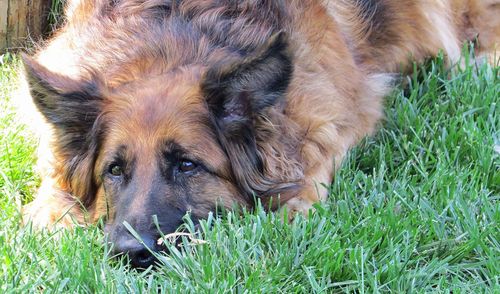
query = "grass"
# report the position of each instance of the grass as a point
(414, 209)
(55, 16)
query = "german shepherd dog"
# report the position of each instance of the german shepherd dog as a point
(158, 108)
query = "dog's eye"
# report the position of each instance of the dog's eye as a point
(116, 170)
(187, 166)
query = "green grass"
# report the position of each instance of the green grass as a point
(55, 16)
(414, 209)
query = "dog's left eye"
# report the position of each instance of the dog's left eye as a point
(186, 166)
(115, 170)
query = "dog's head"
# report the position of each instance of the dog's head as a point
(184, 141)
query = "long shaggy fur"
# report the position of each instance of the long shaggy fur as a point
(266, 95)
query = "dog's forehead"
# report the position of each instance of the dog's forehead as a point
(159, 102)
(169, 108)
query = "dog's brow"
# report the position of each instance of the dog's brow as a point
(173, 146)
(121, 149)
(173, 150)
(117, 153)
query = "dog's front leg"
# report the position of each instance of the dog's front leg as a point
(53, 208)
(320, 165)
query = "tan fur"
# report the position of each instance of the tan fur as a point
(343, 58)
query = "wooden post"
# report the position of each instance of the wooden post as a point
(22, 21)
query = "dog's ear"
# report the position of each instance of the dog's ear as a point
(69, 105)
(72, 107)
(239, 96)
(238, 91)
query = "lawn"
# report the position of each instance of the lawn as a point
(415, 208)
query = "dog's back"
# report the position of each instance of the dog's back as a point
(386, 34)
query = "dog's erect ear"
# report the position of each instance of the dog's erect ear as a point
(239, 95)
(72, 107)
(238, 91)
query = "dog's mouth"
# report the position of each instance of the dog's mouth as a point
(143, 252)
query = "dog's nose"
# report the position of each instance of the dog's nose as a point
(139, 253)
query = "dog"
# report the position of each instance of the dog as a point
(158, 108)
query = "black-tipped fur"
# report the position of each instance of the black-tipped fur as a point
(239, 95)
(73, 109)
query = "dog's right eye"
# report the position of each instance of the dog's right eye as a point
(187, 166)
(115, 170)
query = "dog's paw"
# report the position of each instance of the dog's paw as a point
(46, 216)
(296, 206)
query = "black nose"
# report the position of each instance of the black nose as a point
(139, 253)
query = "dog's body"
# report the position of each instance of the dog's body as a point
(162, 107)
